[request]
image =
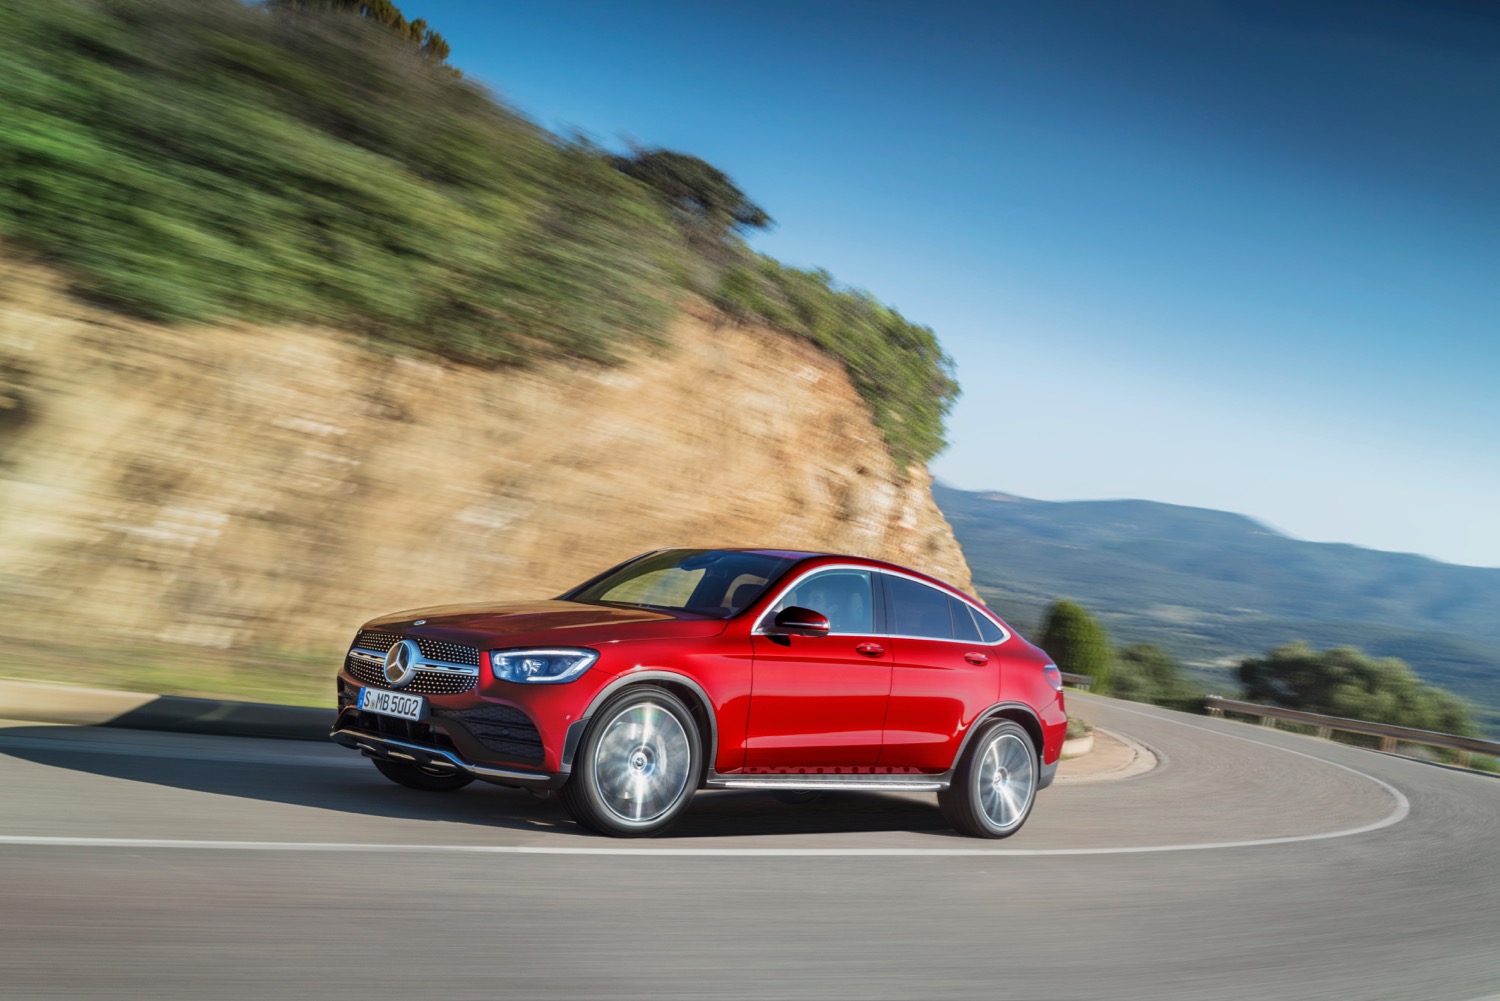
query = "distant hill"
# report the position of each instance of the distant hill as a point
(1213, 587)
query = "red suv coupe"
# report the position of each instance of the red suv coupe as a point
(719, 669)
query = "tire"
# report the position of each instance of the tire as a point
(416, 778)
(638, 765)
(995, 785)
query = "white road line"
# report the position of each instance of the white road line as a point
(1399, 813)
(673, 852)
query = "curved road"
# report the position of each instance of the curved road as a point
(1249, 864)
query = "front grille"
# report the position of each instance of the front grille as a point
(505, 730)
(451, 653)
(425, 683)
(376, 642)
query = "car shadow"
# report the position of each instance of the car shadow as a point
(305, 779)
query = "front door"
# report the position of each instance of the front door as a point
(818, 702)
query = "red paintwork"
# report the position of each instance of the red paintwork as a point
(792, 704)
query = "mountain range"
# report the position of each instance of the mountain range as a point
(1214, 587)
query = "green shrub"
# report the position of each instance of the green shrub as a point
(1078, 644)
(1349, 683)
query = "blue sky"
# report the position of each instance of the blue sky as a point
(1234, 255)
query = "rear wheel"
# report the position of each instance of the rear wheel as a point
(416, 777)
(637, 767)
(995, 784)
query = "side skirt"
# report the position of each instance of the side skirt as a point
(847, 783)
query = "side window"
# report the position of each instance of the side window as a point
(988, 631)
(918, 610)
(963, 623)
(845, 596)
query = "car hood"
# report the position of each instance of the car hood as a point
(571, 623)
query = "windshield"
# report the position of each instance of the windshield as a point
(712, 582)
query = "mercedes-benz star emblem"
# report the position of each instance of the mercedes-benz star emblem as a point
(401, 662)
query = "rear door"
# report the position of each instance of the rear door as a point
(945, 673)
(820, 701)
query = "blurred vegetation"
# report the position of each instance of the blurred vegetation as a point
(705, 202)
(1078, 644)
(201, 160)
(287, 677)
(1147, 673)
(428, 43)
(897, 366)
(1340, 682)
(1347, 682)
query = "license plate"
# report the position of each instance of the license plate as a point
(375, 700)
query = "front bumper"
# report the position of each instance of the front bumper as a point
(375, 745)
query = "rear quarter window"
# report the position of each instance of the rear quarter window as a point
(964, 627)
(988, 631)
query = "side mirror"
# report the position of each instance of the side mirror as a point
(794, 621)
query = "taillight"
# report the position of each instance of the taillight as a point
(1054, 676)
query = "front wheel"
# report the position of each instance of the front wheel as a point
(637, 767)
(995, 784)
(413, 777)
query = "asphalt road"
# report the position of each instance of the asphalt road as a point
(1249, 864)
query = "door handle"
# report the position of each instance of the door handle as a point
(870, 649)
(977, 659)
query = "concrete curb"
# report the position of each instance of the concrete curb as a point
(26, 700)
(1077, 747)
(1115, 756)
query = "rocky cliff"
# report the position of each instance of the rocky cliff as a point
(249, 488)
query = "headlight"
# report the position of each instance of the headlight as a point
(541, 667)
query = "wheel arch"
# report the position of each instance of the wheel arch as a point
(689, 691)
(1016, 711)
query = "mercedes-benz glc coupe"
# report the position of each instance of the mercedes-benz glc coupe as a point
(688, 669)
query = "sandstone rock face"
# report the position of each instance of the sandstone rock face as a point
(271, 488)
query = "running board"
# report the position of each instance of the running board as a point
(831, 783)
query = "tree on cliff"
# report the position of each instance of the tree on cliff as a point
(429, 43)
(1078, 644)
(1347, 682)
(702, 198)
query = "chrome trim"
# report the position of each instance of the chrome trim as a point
(758, 630)
(939, 639)
(421, 664)
(874, 783)
(382, 747)
(401, 661)
(1005, 634)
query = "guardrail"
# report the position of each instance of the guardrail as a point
(1077, 680)
(1389, 735)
